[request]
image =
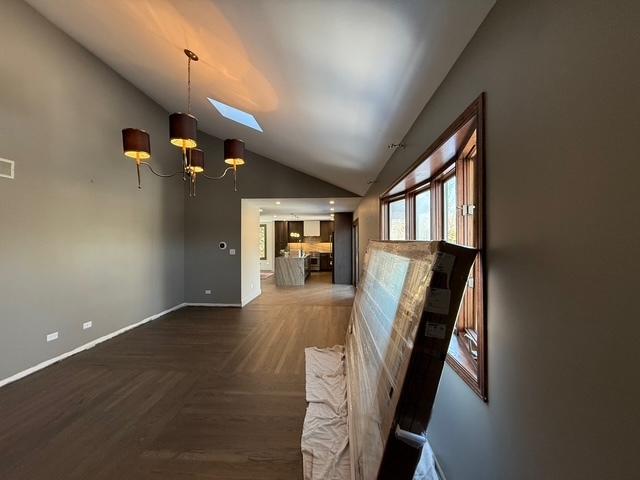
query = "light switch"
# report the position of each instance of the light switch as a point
(232, 251)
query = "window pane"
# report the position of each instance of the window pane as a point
(423, 215)
(450, 210)
(397, 220)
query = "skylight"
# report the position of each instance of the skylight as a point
(236, 115)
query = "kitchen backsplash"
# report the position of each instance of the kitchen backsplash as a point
(319, 247)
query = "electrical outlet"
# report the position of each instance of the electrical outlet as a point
(87, 325)
(52, 336)
(232, 251)
(207, 292)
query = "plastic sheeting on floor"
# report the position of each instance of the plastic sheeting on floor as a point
(426, 469)
(325, 434)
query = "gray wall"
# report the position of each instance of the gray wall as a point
(79, 242)
(563, 232)
(214, 216)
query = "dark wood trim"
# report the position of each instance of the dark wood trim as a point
(474, 112)
(409, 216)
(480, 384)
(471, 111)
(482, 257)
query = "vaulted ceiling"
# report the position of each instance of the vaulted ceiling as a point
(331, 82)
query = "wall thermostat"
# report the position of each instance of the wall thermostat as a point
(222, 245)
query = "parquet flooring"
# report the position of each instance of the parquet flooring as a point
(202, 393)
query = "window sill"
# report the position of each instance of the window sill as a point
(460, 360)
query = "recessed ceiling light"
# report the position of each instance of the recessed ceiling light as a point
(236, 115)
(277, 203)
(275, 216)
(331, 202)
(332, 209)
(260, 210)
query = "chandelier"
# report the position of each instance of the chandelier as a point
(183, 128)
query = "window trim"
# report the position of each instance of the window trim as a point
(473, 372)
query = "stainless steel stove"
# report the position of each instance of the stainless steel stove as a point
(314, 262)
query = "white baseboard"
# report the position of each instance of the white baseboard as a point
(238, 305)
(86, 346)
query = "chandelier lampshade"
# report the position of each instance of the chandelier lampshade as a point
(196, 160)
(234, 152)
(182, 130)
(136, 144)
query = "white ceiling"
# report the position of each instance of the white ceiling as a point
(302, 208)
(331, 82)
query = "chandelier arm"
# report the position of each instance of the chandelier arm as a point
(185, 163)
(226, 170)
(160, 174)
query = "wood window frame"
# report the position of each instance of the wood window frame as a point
(468, 166)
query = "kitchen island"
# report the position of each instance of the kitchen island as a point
(291, 271)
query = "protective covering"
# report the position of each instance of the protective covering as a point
(401, 323)
(426, 469)
(325, 435)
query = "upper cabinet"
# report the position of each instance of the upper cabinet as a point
(326, 231)
(321, 230)
(296, 227)
(281, 237)
(312, 228)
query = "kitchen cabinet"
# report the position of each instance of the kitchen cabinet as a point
(312, 228)
(281, 237)
(326, 262)
(296, 227)
(326, 231)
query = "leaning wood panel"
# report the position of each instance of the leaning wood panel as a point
(401, 323)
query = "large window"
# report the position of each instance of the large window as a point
(441, 198)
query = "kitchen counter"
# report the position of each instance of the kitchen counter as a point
(291, 271)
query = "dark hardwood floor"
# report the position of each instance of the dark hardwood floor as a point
(202, 393)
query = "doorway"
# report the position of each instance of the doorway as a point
(355, 254)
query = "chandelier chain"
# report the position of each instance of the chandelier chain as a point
(189, 85)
